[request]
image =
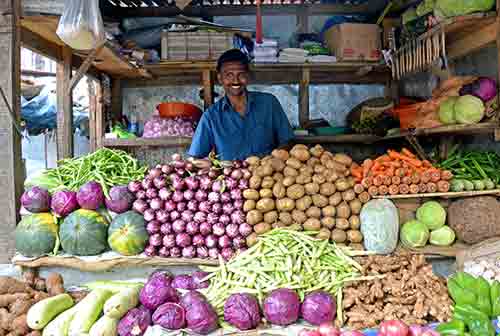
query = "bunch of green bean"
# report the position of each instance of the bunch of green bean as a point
(283, 258)
(107, 166)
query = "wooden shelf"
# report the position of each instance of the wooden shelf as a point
(495, 192)
(147, 142)
(440, 251)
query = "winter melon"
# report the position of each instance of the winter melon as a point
(36, 234)
(84, 233)
(127, 234)
(380, 226)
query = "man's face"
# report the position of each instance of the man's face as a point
(233, 77)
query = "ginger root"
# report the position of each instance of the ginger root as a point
(8, 299)
(20, 307)
(20, 326)
(29, 276)
(5, 319)
(9, 285)
(40, 285)
(55, 284)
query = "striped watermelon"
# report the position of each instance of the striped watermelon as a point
(36, 234)
(127, 234)
(84, 233)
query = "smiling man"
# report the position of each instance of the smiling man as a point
(242, 123)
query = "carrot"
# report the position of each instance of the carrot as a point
(443, 186)
(426, 164)
(414, 189)
(446, 175)
(378, 181)
(406, 152)
(383, 158)
(373, 191)
(401, 172)
(392, 164)
(425, 177)
(415, 178)
(431, 187)
(435, 176)
(406, 180)
(364, 197)
(387, 180)
(394, 189)
(396, 180)
(357, 173)
(376, 166)
(404, 189)
(383, 190)
(367, 166)
(397, 156)
(422, 188)
(358, 188)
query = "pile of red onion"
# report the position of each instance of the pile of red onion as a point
(193, 212)
(162, 127)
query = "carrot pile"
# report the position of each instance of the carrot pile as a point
(399, 173)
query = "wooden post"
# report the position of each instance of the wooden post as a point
(92, 115)
(116, 99)
(304, 97)
(99, 115)
(497, 130)
(65, 147)
(11, 165)
(208, 88)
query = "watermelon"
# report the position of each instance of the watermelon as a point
(380, 226)
(36, 234)
(127, 234)
(84, 233)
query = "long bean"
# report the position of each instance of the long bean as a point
(473, 165)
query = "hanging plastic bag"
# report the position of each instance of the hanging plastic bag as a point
(81, 26)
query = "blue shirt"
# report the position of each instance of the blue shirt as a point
(263, 128)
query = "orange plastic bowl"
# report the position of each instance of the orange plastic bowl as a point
(179, 110)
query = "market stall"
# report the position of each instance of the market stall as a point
(308, 241)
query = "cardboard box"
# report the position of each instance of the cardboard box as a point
(354, 42)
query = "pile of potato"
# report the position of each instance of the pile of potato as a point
(304, 189)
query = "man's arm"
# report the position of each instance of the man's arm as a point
(203, 139)
(282, 128)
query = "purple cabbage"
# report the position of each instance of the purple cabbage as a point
(90, 196)
(281, 307)
(318, 307)
(484, 88)
(157, 291)
(183, 281)
(63, 203)
(198, 277)
(170, 316)
(242, 311)
(135, 322)
(200, 315)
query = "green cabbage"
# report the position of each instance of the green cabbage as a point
(432, 215)
(447, 111)
(450, 8)
(414, 234)
(43, 180)
(425, 7)
(469, 110)
(444, 236)
(409, 15)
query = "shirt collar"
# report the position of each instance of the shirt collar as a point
(226, 104)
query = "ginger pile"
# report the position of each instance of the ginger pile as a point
(409, 291)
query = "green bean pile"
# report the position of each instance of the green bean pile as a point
(473, 165)
(283, 258)
(107, 166)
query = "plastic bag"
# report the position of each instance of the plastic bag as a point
(81, 26)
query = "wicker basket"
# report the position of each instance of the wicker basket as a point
(194, 46)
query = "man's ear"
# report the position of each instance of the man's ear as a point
(219, 78)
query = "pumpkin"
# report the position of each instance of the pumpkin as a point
(84, 233)
(380, 226)
(36, 234)
(127, 234)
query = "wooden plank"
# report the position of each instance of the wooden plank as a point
(495, 192)
(304, 97)
(65, 147)
(208, 88)
(99, 112)
(443, 251)
(36, 43)
(471, 42)
(343, 138)
(82, 70)
(145, 142)
(92, 115)
(116, 99)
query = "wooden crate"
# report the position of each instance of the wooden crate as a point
(194, 46)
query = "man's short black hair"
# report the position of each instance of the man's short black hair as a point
(233, 55)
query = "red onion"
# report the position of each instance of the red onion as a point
(176, 157)
(228, 208)
(227, 171)
(151, 251)
(224, 219)
(178, 225)
(237, 164)
(243, 184)
(430, 332)
(140, 206)
(217, 187)
(212, 218)
(218, 229)
(238, 217)
(192, 228)
(147, 183)
(213, 173)
(134, 186)
(189, 167)
(225, 197)
(213, 253)
(217, 208)
(236, 174)
(166, 169)
(205, 183)
(192, 205)
(156, 204)
(204, 206)
(162, 216)
(149, 215)
(151, 193)
(246, 174)
(191, 182)
(415, 330)
(141, 194)
(239, 242)
(245, 229)
(227, 253)
(155, 172)
(198, 240)
(236, 194)
(155, 240)
(238, 204)
(159, 182)
(231, 183)
(224, 241)
(213, 197)
(174, 215)
(393, 328)
(328, 329)
(188, 195)
(189, 252)
(178, 184)
(164, 252)
(181, 206)
(205, 229)
(180, 171)
(175, 252)
(169, 240)
(211, 241)
(202, 252)
(232, 230)
(166, 228)
(169, 205)
(187, 216)
(200, 195)
(178, 164)
(245, 164)
(153, 227)
(178, 196)
(199, 217)
(164, 194)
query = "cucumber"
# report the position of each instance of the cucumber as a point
(113, 286)
(60, 325)
(105, 326)
(44, 311)
(87, 311)
(120, 303)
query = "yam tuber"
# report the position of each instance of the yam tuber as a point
(29, 276)
(5, 319)
(9, 285)
(40, 285)
(8, 299)
(20, 326)
(20, 307)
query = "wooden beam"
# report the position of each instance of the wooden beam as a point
(472, 41)
(304, 98)
(12, 171)
(84, 67)
(36, 43)
(64, 107)
(35, 73)
(99, 113)
(92, 114)
(208, 87)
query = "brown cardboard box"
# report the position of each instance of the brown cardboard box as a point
(354, 42)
